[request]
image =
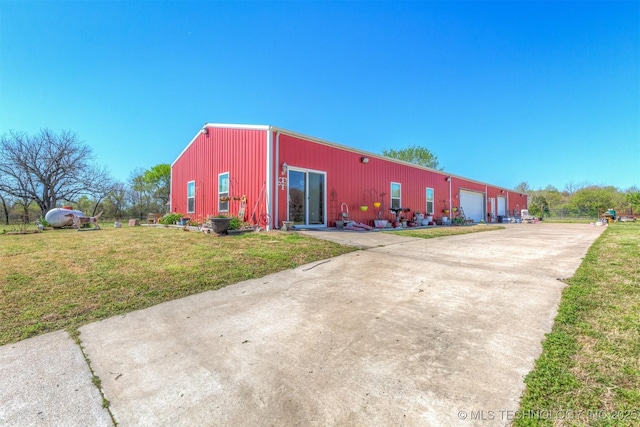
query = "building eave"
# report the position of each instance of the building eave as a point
(330, 144)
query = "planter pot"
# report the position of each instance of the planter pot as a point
(376, 204)
(446, 211)
(429, 218)
(220, 225)
(364, 208)
(339, 224)
(380, 223)
(287, 226)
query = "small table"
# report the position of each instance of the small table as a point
(397, 211)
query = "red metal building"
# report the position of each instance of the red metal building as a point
(284, 176)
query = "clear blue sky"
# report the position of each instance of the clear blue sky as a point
(504, 92)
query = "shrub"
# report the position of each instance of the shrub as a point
(235, 223)
(170, 218)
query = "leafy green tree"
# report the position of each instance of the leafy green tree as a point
(414, 154)
(158, 179)
(592, 200)
(553, 198)
(152, 186)
(538, 205)
(150, 189)
(632, 199)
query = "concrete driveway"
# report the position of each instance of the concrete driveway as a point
(410, 332)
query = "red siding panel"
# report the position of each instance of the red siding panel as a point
(351, 180)
(241, 152)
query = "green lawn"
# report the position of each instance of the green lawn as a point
(65, 278)
(589, 371)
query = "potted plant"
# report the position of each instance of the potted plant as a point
(363, 208)
(171, 219)
(287, 225)
(220, 224)
(376, 204)
(380, 223)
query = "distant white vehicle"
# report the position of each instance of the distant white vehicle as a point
(526, 217)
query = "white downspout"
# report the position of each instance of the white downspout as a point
(277, 174)
(486, 201)
(450, 205)
(269, 179)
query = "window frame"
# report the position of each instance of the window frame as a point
(223, 206)
(191, 197)
(399, 198)
(432, 201)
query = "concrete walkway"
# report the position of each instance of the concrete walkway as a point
(409, 332)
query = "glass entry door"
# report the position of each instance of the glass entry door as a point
(306, 197)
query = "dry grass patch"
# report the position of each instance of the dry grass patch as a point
(64, 278)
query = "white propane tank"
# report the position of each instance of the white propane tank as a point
(59, 217)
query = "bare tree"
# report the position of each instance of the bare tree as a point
(5, 208)
(142, 194)
(117, 199)
(101, 184)
(523, 187)
(45, 167)
(571, 188)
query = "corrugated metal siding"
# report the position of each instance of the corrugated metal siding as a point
(351, 181)
(241, 152)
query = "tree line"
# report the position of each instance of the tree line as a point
(46, 170)
(580, 200)
(49, 169)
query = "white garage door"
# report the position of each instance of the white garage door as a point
(473, 205)
(502, 206)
